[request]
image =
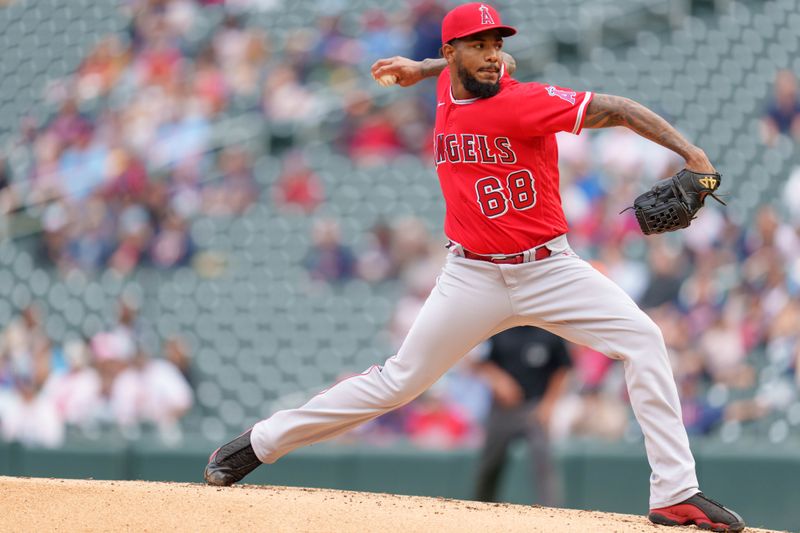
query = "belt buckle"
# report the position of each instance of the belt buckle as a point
(508, 259)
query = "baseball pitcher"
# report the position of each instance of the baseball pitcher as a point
(511, 264)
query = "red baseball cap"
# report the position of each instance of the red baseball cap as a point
(472, 18)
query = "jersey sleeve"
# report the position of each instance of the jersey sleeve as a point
(545, 109)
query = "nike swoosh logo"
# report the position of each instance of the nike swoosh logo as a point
(440, 104)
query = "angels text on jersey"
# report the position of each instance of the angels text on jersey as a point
(473, 148)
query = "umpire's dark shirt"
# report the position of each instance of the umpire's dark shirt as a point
(531, 355)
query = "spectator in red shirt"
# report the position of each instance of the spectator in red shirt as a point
(298, 188)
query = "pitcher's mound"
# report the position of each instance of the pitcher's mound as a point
(84, 505)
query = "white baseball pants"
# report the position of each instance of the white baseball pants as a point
(473, 300)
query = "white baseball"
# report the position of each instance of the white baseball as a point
(386, 80)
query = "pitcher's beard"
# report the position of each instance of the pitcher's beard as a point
(479, 89)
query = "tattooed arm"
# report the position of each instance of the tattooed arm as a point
(409, 72)
(605, 111)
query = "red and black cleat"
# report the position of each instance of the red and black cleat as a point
(699, 510)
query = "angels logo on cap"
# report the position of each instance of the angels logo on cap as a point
(472, 18)
(486, 17)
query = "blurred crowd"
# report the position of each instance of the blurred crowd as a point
(782, 112)
(135, 150)
(129, 157)
(106, 382)
(135, 147)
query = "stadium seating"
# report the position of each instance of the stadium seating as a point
(264, 335)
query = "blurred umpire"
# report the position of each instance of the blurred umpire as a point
(526, 369)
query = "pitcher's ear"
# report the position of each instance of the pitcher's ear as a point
(447, 50)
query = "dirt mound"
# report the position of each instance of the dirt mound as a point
(84, 505)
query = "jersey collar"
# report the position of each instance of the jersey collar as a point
(466, 101)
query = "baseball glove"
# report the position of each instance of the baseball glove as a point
(673, 202)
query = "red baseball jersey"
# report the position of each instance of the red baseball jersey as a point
(497, 161)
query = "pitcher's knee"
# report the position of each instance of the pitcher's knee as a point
(399, 390)
(645, 340)
(651, 330)
(398, 398)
